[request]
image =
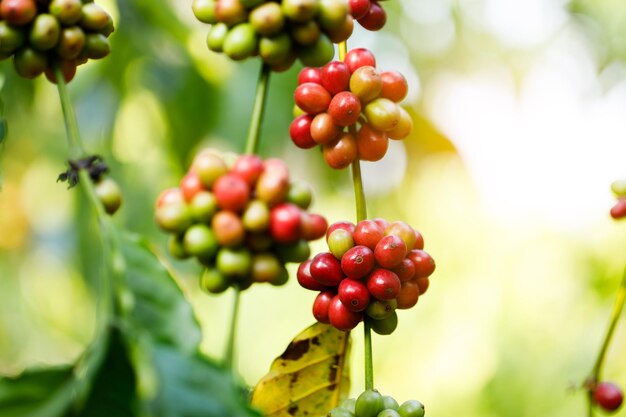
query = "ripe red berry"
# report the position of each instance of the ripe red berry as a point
(423, 284)
(326, 269)
(357, 262)
(340, 225)
(371, 144)
(285, 223)
(618, 211)
(306, 280)
(323, 129)
(312, 98)
(248, 167)
(321, 306)
(335, 77)
(424, 263)
(190, 185)
(405, 270)
(313, 226)
(345, 108)
(300, 132)
(608, 396)
(341, 317)
(18, 12)
(375, 18)
(359, 8)
(232, 192)
(419, 240)
(368, 233)
(383, 284)
(310, 75)
(340, 153)
(404, 231)
(353, 294)
(394, 86)
(390, 251)
(359, 57)
(382, 222)
(408, 295)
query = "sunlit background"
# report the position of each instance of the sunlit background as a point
(520, 111)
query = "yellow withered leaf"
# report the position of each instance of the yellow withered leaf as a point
(309, 378)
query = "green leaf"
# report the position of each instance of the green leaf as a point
(44, 392)
(309, 378)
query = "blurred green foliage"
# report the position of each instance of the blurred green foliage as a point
(516, 310)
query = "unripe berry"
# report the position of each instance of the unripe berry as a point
(369, 403)
(339, 242)
(228, 228)
(204, 10)
(67, 12)
(385, 326)
(109, 194)
(382, 114)
(240, 42)
(306, 33)
(318, 53)
(200, 241)
(366, 83)
(213, 281)
(411, 408)
(267, 19)
(230, 12)
(404, 126)
(348, 226)
(299, 10)
(234, 263)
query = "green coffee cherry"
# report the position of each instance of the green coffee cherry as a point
(240, 42)
(332, 14)
(317, 54)
(619, 188)
(294, 252)
(109, 194)
(267, 19)
(390, 403)
(30, 63)
(250, 3)
(96, 46)
(386, 325)
(94, 17)
(215, 37)
(45, 32)
(213, 281)
(203, 206)
(173, 218)
(71, 42)
(11, 38)
(175, 247)
(234, 262)
(369, 404)
(199, 240)
(275, 50)
(256, 216)
(300, 194)
(349, 404)
(339, 242)
(340, 412)
(411, 408)
(388, 413)
(204, 10)
(299, 10)
(265, 267)
(379, 310)
(282, 277)
(306, 33)
(67, 12)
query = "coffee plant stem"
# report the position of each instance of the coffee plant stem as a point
(616, 313)
(229, 356)
(105, 301)
(256, 120)
(71, 124)
(361, 214)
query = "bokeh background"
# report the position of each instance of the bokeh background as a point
(520, 111)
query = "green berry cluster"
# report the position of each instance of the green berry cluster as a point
(38, 33)
(372, 403)
(618, 211)
(279, 32)
(241, 217)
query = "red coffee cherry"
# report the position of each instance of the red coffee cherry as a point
(359, 8)
(408, 295)
(383, 284)
(406, 270)
(394, 86)
(368, 233)
(312, 98)
(228, 228)
(424, 263)
(341, 317)
(248, 167)
(313, 226)
(423, 284)
(358, 261)
(359, 57)
(618, 211)
(321, 306)
(340, 153)
(300, 131)
(345, 108)
(335, 77)
(353, 294)
(306, 280)
(390, 251)
(232, 192)
(375, 18)
(323, 129)
(190, 185)
(310, 75)
(326, 269)
(340, 225)
(608, 396)
(285, 223)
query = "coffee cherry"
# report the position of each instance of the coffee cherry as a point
(216, 36)
(404, 126)
(323, 129)
(368, 233)
(366, 83)
(345, 108)
(369, 403)
(94, 18)
(199, 240)
(390, 403)
(312, 98)
(332, 13)
(379, 310)
(394, 86)
(383, 284)
(619, 188)
(306, 280)
(300, 131)
(340, 153)
(240, 42)
(423, 284)
(424, 263)
(173, 218)
(213, 281)
(67, 12)
(618, 211)
(408, 295)
(341, 317)
(375, 18)
(390, 251)
(359, 8)
(335, 76)
(29, 63)
(18, 12)
(404, 231)
(249, 168)
(306, 34)
(348, 404)
(300, 194)
(343, 31)
(97, 46)
(340, 412)
(359, 57)
(109, 194)
(232, 192)
(234, 262)
(339, 242)
(357, 262)
(608, 396)
(326, 269)
(265, 268)
(230, 12)
(382, 113)
(298, 251)
(203, 206)
(411, 408)
(385, 326)
(267, 19)
(318, 53)
(285, 223)
(348, 226)
(405, 270)
(272, 187)
(228, 229)
(11, 38)
(384, 224)
(175, 247)
(310, 75)
(71, 42)
(204, 10)
(299, 10)
(276, 50)
(371, 144)
(353, 294)
(321, 306)
(313, 226)
(68, 69)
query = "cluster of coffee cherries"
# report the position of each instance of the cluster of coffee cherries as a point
(369, 13)
(607, 396)
(350, 109)
(279, 32)
(372, 268)
(371, 403)
(618, 211)
(38, 33)
(241, 217)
